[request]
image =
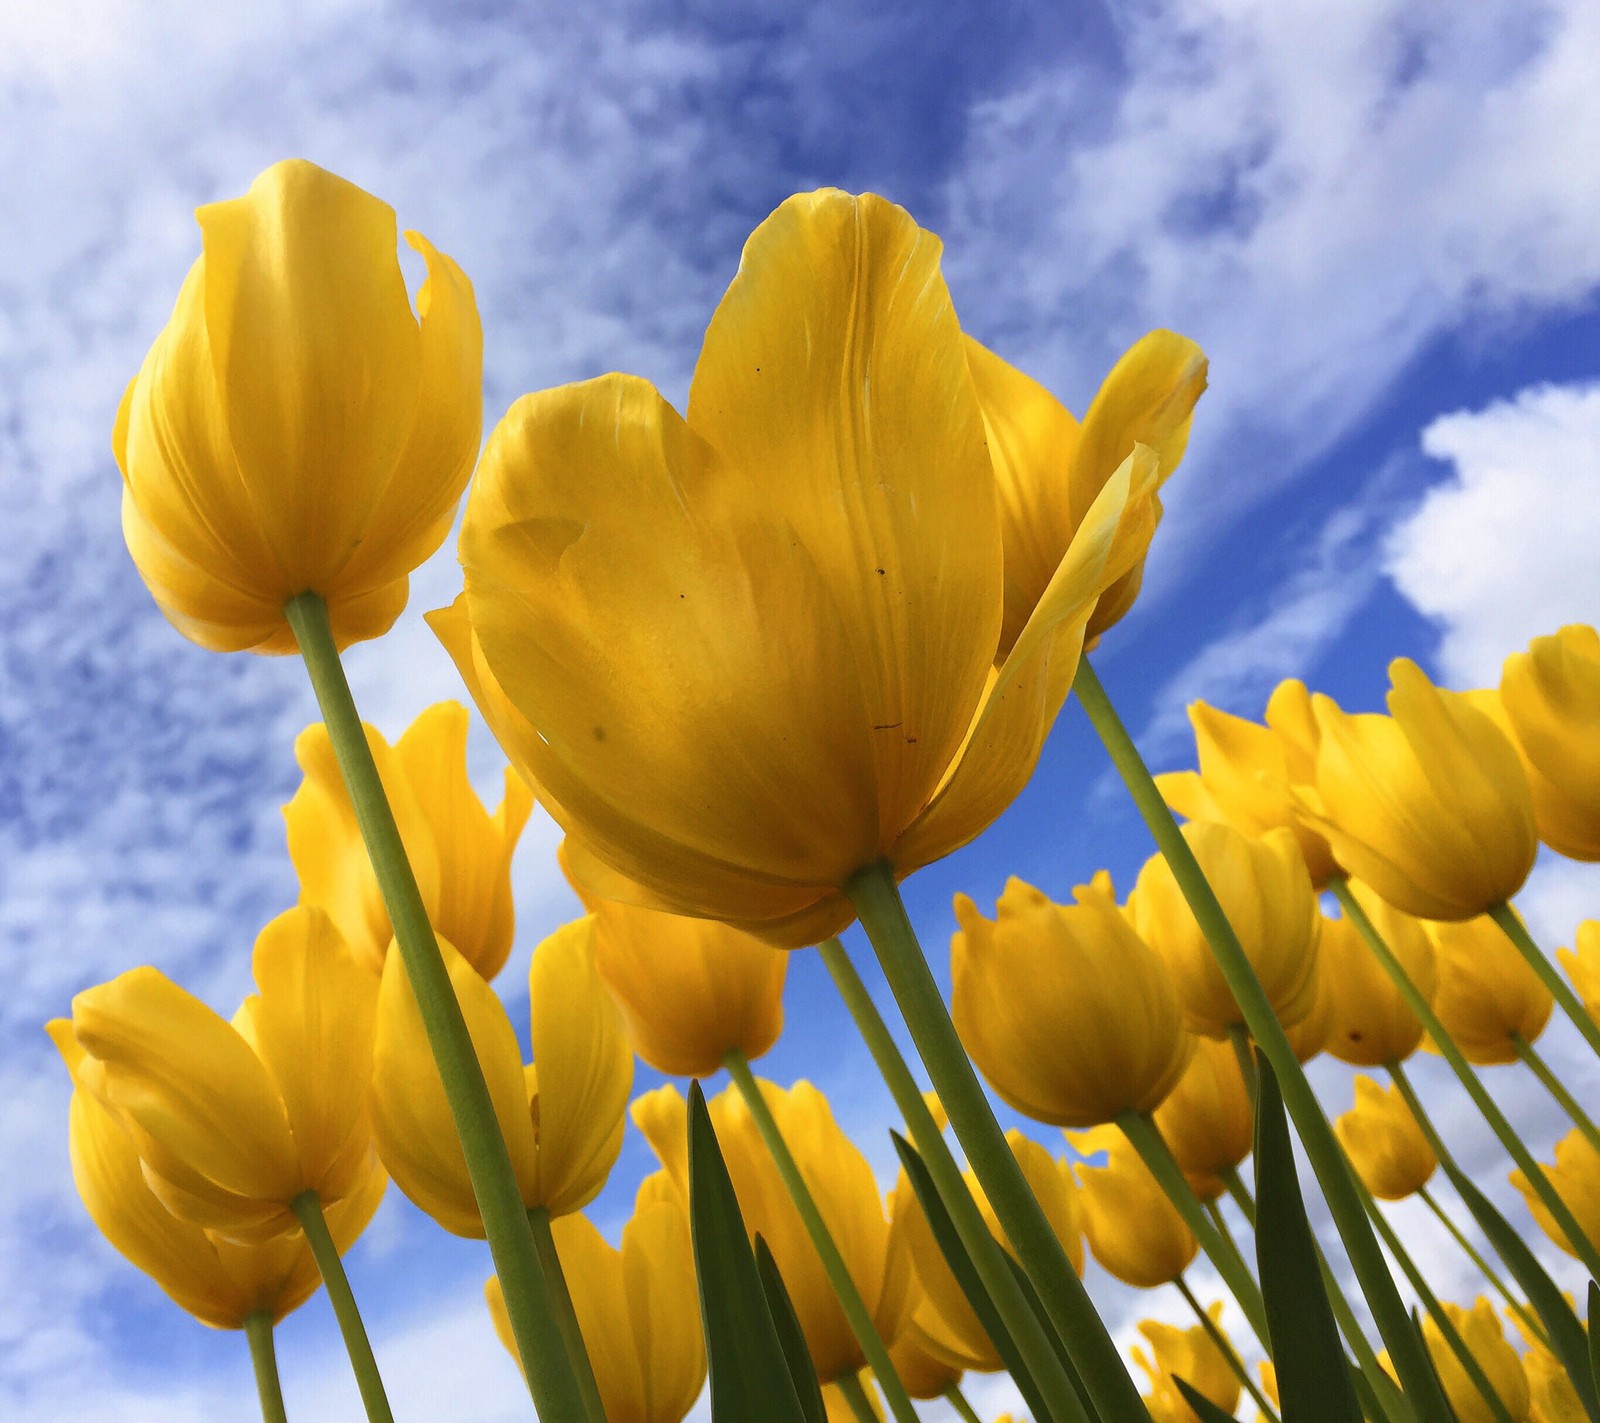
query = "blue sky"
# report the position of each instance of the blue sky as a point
(1382, 220)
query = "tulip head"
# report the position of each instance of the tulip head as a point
(1552, 1395)
(1369, 1023)
(1133, 1230)
(1576, 1178)
(1485, 994)
(1191, 1355)
(460, 854)
(1429, 804)
(1208, 1120)
(1266, 893)
(924, 1374)
(1480, 1331)
(1582, 964)
(295, 428)
(1551, 700)
(1384, 1142)
(1068, 1014)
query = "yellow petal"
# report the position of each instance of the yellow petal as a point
(599, 1288)
(664, 1307)
(662, 1116)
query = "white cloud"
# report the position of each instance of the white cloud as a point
(1506, 550)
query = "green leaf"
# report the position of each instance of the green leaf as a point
(1594, 1337)
(750, 1378)
(1204, 1409)
(802, 1372)
(1313, 1375)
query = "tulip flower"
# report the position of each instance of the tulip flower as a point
(1552, 1395)
(1485, 994)
(1133, 1230)
(1384, 1142)
(1191, 1355)
(461, 855)
(1049, 469)
(752, 653)
(1480, 1331)
(1370, 1025)
(846, 1194)
(1246, 772)
(561, 1117)
(1582, 964)
(924, 1374)
(638, 1309)
(1576, 1178)
(295, 428)
(1551, 698)
(1266, 893)
(1208, 1119)
(221, 1282)
(1068, 1014)
(1429, 805)
(1309, 1037)
(233, 1122)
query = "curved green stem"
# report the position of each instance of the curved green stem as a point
(566, 1314)
(855, 1308)
(551, 1378)
(1549, 975)
(1027, 1330)
(1529, 1320)
(1533, 1059)
(1240, 1195)
(1239, 1037)
(962, 1405)
(264, 1359)
(855, 1394)
(307, 1210)
(1452, 1054)
(1411, 1362)
(1226, 1349)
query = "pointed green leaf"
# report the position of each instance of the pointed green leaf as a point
(790, 1335)
(1204, 1409)
(1594, 1337)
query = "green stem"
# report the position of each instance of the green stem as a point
(1239, 1036)
(855, 1308)
(1452, 1054)
(550, 1374)
(855, 1394)
(307, 1208)
(1517, 1307)
(1146, 1139)
(264, 1358)
(1552, 1084)
(1226, 1349)
(1515, 930)
(962, 1405)
(1027, 1330)
(566, 1314)
(1239, 1193)
(1411, 1362)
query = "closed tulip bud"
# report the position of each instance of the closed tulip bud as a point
(219, 1281)
(1484, 992)
(1068, 1014)
(1048, 468)
(561, 1116)
(1191, 1355)
(460, 854)
(1266, 893)
(1576, 1178)
(1429, 805)
(1551, 698)
(801, 522)
(295, 428)
(1480, 1331)
(1384, 1142)
(638, 1310)
(1208, 1120)
(1244, 778)
(843, 1186)
(233, 1121)
(1369, 1023)
(1133, 1230)
(1583, 965)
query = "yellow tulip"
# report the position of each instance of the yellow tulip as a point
(460, 854)
(751, 653)
(1429, 805)
(1576, 1178)
(1480, 1331)
(638, 1309)
(1484, 991)
(1384, 1142)
(561, 1116)
(1551, 697)
(1068, 1014)
(1049, 469)
(1552, 1395)
(842, 1184)
(1246, 771)
(1208, 1120)
(1266, 893)
(219, 1281)
(839, 1408)
(1583, 965)
(1133, 1230)
(294, 427)
(924, 1373)
(233, 1121)
(1310, 1035)
(1370, 1025)
(1189, 1354)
